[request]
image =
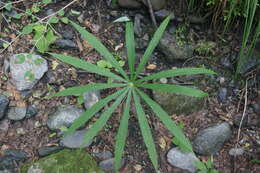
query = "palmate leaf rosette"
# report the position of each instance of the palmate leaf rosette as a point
(128, 91)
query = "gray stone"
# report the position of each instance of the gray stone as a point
(162, 14)
(27, 70)
(31, 111)
(109, 164)
(75, 140)
(64, 116)
(210, 140)
(11, 157)
(91, 98)
(182, 160)
(222, 95)
(11, 13)
(103, 155)
(7, 171)
(172, 51)
(16, 113)
(67, 34)
(4, 101)
(236, 151)
(65, 44)
(129, 3)
(45, 151)
(156, 4)
(178, 104)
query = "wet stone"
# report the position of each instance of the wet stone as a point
(67, 34)
(109, 164)
(222, 95)
(91, 98)
(75, 140)
(45, 151)
(64, 116)
(210, 140)
(16, 113)
(31, 111)
(183, 160)
(162, 14)
(4, 101)
(65, 44)
(11, 157)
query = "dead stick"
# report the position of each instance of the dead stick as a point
(151, 13)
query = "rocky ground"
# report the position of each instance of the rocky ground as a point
(31, 124)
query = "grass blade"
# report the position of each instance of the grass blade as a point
(99, 124)
(153, 43)
(167, 121)
(175, 89)
(93, 41)
(122, 133)
(76, 62)
(146, 132)
(92, 110)
(130, 46)
(177, 72)
(79, 90)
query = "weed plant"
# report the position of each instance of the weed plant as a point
(129, 91)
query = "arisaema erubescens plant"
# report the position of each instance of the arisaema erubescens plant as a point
(129, 90)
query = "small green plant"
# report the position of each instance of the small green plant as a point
(207, 167)
(128, 92)
(205, 48)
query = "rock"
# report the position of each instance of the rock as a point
(7, 171)
(65, 44)
(49, 12)
(103, 155)
(109, 165)
(210, 140)
(182, 160)
(91, 98)
(11, 157)
(16, 113)
(162, 14)
(11, 13)
(237, 119)
(27, 70)
(65, 161)
(75, 140)
(4, 125)
(129, 3)
(137, 25)
(256, 108)
(64, 116)
(172, 51)
(45, 151)
(67, 34)
(178, 104)
(31, 111)
(236, 151)
(222, 95)
(4, 101)
(156, 4)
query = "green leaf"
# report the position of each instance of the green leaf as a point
(27, 29)
(38, 61)
(146, 132)
(8, 6)
(18, 16)
(61, 13)
(65, 20)
(19, 59)
(153, 43)
(175, 89)
(54, 20)
(102, 63)
(99, 124)
(79, 90)
(92, 110)
(177, 72)
(201, 166)
(46, 1)
(76, 62)
(130, 46)
(122, 133)
(209, 163)
(93, 41)
(167, 121)
(80, 100)
(40, 28)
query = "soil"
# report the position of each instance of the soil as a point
(98, 13)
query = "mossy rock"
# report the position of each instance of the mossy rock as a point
(178, 104)
(65, 161)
